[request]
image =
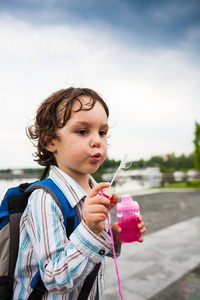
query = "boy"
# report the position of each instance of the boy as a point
(71, 132)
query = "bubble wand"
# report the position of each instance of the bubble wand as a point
(109, 191)
(121, 166)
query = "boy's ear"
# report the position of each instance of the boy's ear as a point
(49, 144)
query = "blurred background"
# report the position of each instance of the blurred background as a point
(141, 56)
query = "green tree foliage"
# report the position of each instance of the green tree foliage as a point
(109, 165)
(140, 164)
(167, 164)
(197, 146)
(156, 161)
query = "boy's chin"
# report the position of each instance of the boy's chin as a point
(93, 169)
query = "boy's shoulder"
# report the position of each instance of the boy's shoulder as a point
(12, 207)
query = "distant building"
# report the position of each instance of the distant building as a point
(17, 172)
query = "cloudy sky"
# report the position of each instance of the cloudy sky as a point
(143, 57)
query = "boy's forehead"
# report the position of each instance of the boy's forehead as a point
(86, 103)
(89, 112)
(83, 100)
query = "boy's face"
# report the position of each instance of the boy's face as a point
(82, 144)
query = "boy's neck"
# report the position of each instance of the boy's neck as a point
(83, 181)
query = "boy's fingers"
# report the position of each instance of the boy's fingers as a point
(143, 230)
(97, 188)
(115, 198)
(140, 218)
(116, 228)
(141, 225)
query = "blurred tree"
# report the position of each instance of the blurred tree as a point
(107, 166)
(171, 161)
(155, 161)
(197, 146)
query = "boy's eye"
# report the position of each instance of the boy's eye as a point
(82, 132)
(102, 132)
(85, 132)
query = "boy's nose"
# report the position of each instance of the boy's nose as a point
(95, 145)
(95, 142)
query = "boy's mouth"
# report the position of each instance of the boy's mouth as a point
(96, 157)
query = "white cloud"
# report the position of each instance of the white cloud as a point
(153, 94)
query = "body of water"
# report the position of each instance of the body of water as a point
(121, 186)
(129, 186)
(5, 184)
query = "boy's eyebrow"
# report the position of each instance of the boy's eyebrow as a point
(88, 124)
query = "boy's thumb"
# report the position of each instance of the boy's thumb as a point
(97, 188)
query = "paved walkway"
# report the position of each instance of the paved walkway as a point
(148, 270)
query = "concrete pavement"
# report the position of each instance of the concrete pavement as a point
(165, 256)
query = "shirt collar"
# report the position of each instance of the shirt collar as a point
(70, 188)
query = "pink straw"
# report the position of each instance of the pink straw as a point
(114, 254)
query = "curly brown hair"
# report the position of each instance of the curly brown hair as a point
(53, 113)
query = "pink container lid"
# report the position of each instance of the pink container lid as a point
(127, 203)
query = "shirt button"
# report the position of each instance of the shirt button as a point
(101, 252)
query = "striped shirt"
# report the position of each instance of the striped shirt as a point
(63, 264)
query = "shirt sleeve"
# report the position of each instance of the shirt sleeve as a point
(64, 264)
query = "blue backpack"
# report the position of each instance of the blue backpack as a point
(11, 210)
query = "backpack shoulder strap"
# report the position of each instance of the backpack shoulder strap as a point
(70, 222)
(69, 213)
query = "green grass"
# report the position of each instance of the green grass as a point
(195, 184)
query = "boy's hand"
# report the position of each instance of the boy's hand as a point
(96, 207)
(116, 230)
(142, 228)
